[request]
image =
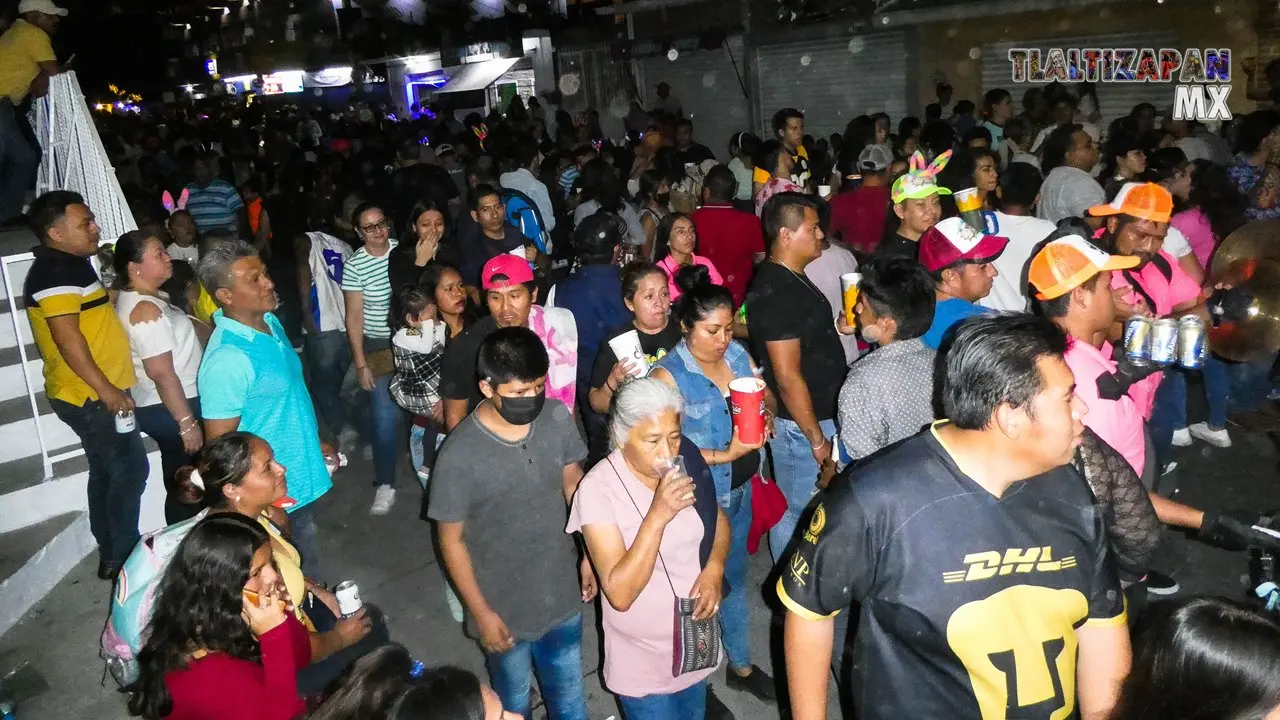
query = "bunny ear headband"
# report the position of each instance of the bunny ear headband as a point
(919, 181)
(167, 200)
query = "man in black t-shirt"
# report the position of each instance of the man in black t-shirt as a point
(797, 345)
(973, 550)
(494, 237)
(688, 151)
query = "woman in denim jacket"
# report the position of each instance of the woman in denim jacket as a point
(701, 368)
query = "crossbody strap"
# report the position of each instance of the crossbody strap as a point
(623, 483)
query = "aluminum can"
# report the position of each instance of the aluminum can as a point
(1164, 341)
(1192, 345)
(348, 594)
(126, 422)
(1137, 339)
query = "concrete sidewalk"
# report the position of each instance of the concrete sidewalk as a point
(393, 561)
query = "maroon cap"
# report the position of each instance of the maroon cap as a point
(516, 270)
(953, 240)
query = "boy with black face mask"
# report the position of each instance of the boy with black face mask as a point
(498, 495)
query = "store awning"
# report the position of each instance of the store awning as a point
(478, 76)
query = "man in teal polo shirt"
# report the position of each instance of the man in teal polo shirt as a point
(251, 380)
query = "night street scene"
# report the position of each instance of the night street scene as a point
(639, 359)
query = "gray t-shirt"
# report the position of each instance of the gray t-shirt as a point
(510, 498)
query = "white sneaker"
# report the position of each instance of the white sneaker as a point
(1181, 438)
(348, 440)
(383, 499)
(1218, 438)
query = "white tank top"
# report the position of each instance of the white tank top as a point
(328, 258)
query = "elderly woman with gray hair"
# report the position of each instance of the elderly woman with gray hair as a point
(658, 542)
(251, 380)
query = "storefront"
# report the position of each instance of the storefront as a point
(708, 82)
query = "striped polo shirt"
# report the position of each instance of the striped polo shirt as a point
(370, 275)
(214, 206)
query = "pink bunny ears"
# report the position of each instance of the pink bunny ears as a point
(917, 164)
(167, 200)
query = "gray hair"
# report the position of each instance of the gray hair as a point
(214, 270)
(639, 400)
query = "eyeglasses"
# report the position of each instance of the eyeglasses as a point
(380, 225)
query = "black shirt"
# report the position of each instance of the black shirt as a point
(968, 603)
(408, 186)
(695, 153)
(655, 347)
(477, 248)
(897, 246)
(458, 380)
(782, 305)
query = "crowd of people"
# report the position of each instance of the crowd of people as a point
(550, 321)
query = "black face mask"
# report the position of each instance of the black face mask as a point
(521, 410)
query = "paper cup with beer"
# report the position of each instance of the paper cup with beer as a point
(968, 200)
(626, 347)
(746, 400)
(849, 293)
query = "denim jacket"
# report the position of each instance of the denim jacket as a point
(706, 413)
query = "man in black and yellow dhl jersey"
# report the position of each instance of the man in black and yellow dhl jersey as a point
(973, 552)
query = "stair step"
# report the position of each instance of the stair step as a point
(21, 545)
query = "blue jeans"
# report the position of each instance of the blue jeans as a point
(19, 159)
(688, 704)
(735, 618)
(796, 473)
(302, 523)
(328, 356)
(387, 417)
(118, 470)
(422, 445)
(158, 423)
(557, 657)
(1250, 383)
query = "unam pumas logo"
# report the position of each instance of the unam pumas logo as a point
(985, 565)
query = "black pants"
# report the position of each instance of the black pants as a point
(316, 677)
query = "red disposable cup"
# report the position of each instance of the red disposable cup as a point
(746, 398)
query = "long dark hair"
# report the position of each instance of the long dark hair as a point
(1202, 659)
(429, 281)
(129, 249)
(662, 236)
(370, 687)
(1217, 197)
(198, 606)
(699, 297)
(410, 236)
(224, 461)
(600, 183)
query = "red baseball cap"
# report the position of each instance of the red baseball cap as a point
(953, 240)
(516, 270)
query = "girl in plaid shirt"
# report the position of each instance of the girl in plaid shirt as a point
(418, 348)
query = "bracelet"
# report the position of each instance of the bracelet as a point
(820, 445)
(188, 430)
(184, 419)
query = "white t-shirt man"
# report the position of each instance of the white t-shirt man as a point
(1007, 289)
(327, 260)
(1068, 192)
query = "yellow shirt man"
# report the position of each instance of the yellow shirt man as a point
(22, 48)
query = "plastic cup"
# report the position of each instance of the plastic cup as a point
(967, 200)
(626, 347)
(824, 191)
(746, 399)
(849, 292)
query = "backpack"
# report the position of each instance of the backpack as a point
(523, 213)
(134, 594)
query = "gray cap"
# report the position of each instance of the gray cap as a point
(875, 158)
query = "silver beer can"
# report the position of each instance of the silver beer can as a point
(348, 594)
(1137, 339)
(1192, 343)
(1164, 341)
(126, 422)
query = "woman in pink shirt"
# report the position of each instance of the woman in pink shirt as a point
(644, 525)
(676, 240)
(222, 644)
(1213, 210)
(778, 161)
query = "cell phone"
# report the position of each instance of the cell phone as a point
(256, 599)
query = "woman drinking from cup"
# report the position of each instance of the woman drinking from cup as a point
(221, 643)
(658, 544)
(702, 368)
(646, 294)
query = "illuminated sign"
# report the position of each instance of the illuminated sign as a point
(281, 83)
(211, 66)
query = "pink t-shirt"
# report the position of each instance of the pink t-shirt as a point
(638, 643)
(669, 266)
(1195, 226)
(1118, 422)
(1166, 293)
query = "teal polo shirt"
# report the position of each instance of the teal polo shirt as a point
(257, 377)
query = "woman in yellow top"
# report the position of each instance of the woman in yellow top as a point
(238, 473)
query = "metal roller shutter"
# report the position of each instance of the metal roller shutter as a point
(833, 81)
(1116, 99)
(708, 85)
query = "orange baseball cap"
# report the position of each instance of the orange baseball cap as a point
(1147, 201)
(1066, 263)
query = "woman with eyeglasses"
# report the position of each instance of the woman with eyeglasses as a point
(366, 287)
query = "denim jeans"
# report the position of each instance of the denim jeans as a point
(1168, 413)
(687, 704)
(735, 618)
(19, 159)
(1250, 383)
(328, 356)
(302, 523)
(557, 658)
(387, 419)
(118, 470)
(158, 423)
(422, 445)
(796, 473)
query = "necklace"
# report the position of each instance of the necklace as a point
(804, 280)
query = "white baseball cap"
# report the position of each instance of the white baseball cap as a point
(41, 6)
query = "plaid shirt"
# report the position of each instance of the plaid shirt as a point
(416, 384)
